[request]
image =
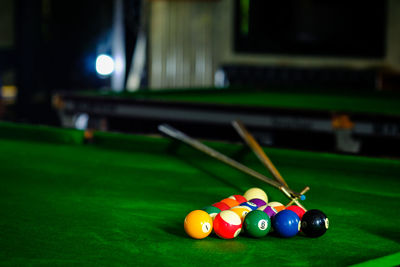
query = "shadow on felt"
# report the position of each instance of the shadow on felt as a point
(173, 150)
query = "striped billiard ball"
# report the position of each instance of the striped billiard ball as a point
(242, 211)
(277, 205)
(270, 211)
(227, 224)
(249, 204)
(256, 193)
(258, 202)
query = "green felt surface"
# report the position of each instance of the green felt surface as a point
(123, 199)
(370, 102)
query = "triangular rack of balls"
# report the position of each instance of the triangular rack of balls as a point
(253, 215)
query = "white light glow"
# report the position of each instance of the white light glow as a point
(105, 65)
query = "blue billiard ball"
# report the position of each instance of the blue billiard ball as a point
(249, 204)
(286, 223)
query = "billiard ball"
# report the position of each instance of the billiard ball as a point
(256, 193)
(249, 204)
(314, 223)
(230, 202)
(257, 224)
(242, 211)
(212, 211)
(286, 223)
(270, 211)
(238, 198)
(221, 205)
(227, 224)
(258, 202)
(277, 205)
(198, 224)
(298, 210)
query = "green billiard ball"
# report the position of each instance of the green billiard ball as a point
(212, 211)
(257, 223)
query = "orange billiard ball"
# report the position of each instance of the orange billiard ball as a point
(230, 202)
(239, 198)
(277, 206)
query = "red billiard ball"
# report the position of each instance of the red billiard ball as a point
(298, 210)
(221, 205)
(227, 224)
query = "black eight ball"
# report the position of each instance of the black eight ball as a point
(314, 223)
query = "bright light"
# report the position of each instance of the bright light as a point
(105, 65)
(81, 121)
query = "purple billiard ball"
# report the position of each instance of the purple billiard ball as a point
(286, 223)
(270, 211)
(258, 202)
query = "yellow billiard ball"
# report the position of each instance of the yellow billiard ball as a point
(198, 224)
(242, 211)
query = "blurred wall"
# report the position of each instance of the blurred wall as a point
(6, 23)
(184, 51)
(189, 40)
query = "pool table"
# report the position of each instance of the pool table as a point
(118, 199)
(366, 122)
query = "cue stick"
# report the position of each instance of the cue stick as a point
(296, 198)
(255, 146)
(176, 134)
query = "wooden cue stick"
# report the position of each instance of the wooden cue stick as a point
(296, 198)
(253, 144)
(176, 134)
